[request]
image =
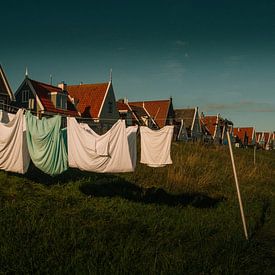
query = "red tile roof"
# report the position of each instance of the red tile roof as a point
(157, 109)
(90, 98)
(210, 123)
(241, 132)
(266, 136)
(43, 91)
(121, 106)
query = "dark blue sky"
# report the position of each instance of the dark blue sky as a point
(218, 55)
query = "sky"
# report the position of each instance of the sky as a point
(218, 55)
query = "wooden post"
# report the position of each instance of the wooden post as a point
(237, 184)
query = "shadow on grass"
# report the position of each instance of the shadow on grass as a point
(126, 190)
(35, 174)
(109, 185)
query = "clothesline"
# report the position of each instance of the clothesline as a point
(53, 150)
(15, 107)
(115, 119)
(85, 118)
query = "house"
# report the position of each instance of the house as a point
(6, 94)
(265, 140)
(188, 124)
(245, 136)
(260, 141)
(44, 99)
(155, 113)
(96, 103)
(124, 111)
(135, 115)
(272, 141)
(213, 128)
(258, 137)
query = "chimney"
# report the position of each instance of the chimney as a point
(62, 86)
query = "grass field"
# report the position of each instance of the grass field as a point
(180, 219)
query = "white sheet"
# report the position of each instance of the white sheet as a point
(112, 152)
(98, 145)
(6, 117)
(14, 155)
(156, 146)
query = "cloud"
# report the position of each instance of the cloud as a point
(242, 106)
(121, 49)
(174, 68)
(234, 59)
(170, 69)
(181, 43)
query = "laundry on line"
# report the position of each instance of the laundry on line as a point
(14, 154)
(46, 144)
(53, 149)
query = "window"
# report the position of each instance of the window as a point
(25, 95)
(61, 101)
(110, 107)
(58, 101)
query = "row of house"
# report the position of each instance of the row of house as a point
(249, 137)
(96, 105)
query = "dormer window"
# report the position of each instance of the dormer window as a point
(25, 95)
(61, 101)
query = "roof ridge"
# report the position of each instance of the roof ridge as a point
(248, 127)
(163, 100)
(87, 84)
(179, 109)
(46, 84)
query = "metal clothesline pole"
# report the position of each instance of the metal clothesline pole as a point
(237, 184)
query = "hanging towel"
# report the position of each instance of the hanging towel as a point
(156, 145)
(112, 152)
(47, 144)
(14, 155)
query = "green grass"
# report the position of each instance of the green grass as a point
(180, 219)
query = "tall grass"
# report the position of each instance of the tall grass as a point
(180, 219)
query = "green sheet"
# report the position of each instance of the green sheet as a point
(47, 144)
